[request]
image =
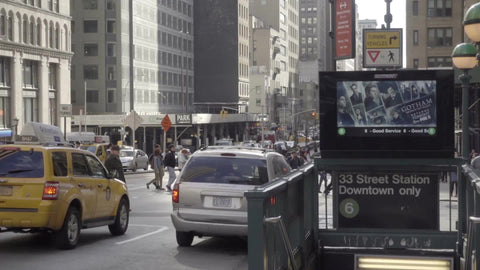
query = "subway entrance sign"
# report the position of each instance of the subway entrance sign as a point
(387, 199)
(382, 48)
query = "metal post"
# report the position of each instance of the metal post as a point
(462, 180)
(131, 52)
(85, 88)
(388, 16)
(64, 128)
(164, 141)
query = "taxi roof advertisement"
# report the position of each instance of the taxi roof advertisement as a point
(344, 29)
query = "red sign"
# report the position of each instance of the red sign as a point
(344, 29)
(166, 123)
(373, 55)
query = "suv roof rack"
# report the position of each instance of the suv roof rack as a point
(238, 147)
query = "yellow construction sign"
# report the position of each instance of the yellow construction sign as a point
(383, 39)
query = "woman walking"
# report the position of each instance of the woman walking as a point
(158, 168)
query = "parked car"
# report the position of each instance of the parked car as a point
(126, 157)
(209, 194)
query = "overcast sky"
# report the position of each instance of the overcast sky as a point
(376, 9)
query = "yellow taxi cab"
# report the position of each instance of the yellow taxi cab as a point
(55, 188)
(99, 149)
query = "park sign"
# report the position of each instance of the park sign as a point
(387, 200)
(382, 48)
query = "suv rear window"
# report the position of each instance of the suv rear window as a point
(222, 170)
(21, 164)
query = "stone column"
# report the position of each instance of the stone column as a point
(16, 97)
(63, 89)
(214, 134)
(205, 135)
(43, 106)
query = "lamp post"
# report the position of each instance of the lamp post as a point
(465, 57)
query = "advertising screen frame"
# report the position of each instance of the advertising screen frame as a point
(440, 144)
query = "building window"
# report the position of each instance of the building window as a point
(111, 73)
(415, 37)
(439, 8)
(90, 4)
(30, 109)
(111, 50)
(10, 28)
(30, 78)
(4, 112)
(50, 4)
(440, 61)
(39, 34)
(90, 72)
(438, 37)
(90, 49)
(55, 6)
(4, 72)
(283, 18)
(110, 26)
(111, 96)
(111, 4)
(415, 63)
(52, 77)
(90, 26)
(415, 8)
(92, 96)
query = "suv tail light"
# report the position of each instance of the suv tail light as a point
(50, 191)
(176, 193)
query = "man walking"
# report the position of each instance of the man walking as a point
(158, 168)
(170, 164)
(113, 163)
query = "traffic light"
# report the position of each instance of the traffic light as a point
(223, 113)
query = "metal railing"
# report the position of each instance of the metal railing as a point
(471, 214)
(292, 202)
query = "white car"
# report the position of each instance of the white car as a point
(126, 157)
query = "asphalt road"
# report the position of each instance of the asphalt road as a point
(148, 244)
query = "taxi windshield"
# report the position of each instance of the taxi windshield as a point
(21, 164)
(90, 148)
(126, 153)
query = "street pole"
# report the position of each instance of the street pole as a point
(388, 16)
(465, 79)
(85, 105)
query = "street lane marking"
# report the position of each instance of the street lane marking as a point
(142, 236)
(146, 225)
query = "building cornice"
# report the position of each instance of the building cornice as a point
(37, 10)
(35, 50)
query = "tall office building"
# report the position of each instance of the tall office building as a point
(362, 24)
(269, 75)
(132, 55)
(282, 16)
(34, 62)
(434, 27)
(221, 55)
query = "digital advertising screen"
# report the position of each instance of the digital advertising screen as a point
(395, 113)
(386, 108)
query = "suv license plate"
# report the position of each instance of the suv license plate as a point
(6, 191)
(223, 202)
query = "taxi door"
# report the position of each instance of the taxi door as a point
(85, 184)
(101, 152)
(105, 198)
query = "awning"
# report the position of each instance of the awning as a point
(5, 133)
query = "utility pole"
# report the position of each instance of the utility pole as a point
(388, 16)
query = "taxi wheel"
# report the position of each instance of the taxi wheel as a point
(121, 220)
(184, 239)
(67, 237)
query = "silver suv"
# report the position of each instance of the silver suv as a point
(208, 196)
